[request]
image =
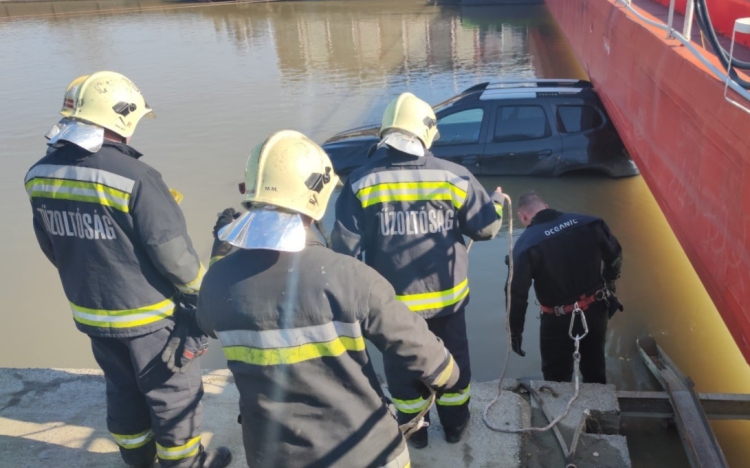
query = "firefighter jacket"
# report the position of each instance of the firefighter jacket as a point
(408, 215)
(117, 237)
(292, 327)
(566, 255)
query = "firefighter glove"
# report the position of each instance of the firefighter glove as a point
(611, 286)
(187, 342)
(225, 218)
(515, 342)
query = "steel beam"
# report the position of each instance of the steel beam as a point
(701, 446)
(657, 405)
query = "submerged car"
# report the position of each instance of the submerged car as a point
(531, 127)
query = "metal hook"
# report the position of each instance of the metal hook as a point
(578, 312)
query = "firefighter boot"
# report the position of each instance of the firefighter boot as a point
(453, 435)
(418, 440)
(217, 458)
(150, 456)
(150, 464)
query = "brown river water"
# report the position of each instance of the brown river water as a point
(222, 77)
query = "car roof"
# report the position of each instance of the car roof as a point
(523, 89)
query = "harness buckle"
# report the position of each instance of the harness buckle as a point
(601, 295)
(559, 310)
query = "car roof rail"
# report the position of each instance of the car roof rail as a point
(530, 83)
(478, 87)
(539, 83)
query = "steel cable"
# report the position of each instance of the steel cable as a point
(485, 418)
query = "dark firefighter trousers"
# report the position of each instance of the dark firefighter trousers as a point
(150, 410)
(557, 347)
(453, 403)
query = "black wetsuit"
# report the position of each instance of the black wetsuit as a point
(566, 256)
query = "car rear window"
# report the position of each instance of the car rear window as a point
(516, 123)
(460, 128)
(572, 119)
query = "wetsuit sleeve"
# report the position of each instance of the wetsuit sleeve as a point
(346, 237)
(404, 339)
(611, 253)
(481, 216)
(161, 228)
(42, 236)
(519, 291)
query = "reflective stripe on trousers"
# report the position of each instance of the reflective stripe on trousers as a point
(455, 399)
(436, 300)
(291, 345)
(187, 450)
(133, 441)
(410, 406)
(126, 318)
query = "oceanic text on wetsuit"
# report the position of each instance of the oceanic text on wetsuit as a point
(560, 227)
(76, 224)
(412, 222)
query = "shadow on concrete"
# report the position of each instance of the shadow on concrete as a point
(57, 418)
(18, 452)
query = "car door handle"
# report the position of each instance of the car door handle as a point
(544, 153)
(470, 160)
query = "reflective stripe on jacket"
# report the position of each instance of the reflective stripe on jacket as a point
(118, 239)
(408, 216)
(293, 328)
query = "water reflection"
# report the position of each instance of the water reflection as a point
(421, 39)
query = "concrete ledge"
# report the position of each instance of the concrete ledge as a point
(480, 447)
(56, 417)
(48, 415)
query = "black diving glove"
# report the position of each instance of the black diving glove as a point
(515, 342)
(614, 304)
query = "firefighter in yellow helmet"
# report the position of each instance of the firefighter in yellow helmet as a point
(292, 317)
(112, 228)
(408, 213)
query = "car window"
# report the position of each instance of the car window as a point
(460, 128)
(516, 123)
(572, 119)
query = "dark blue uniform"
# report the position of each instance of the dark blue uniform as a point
(567, 256)
(119, 241)
(408, 216)
(292, 326)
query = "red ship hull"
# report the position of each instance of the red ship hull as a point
(691, 145)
